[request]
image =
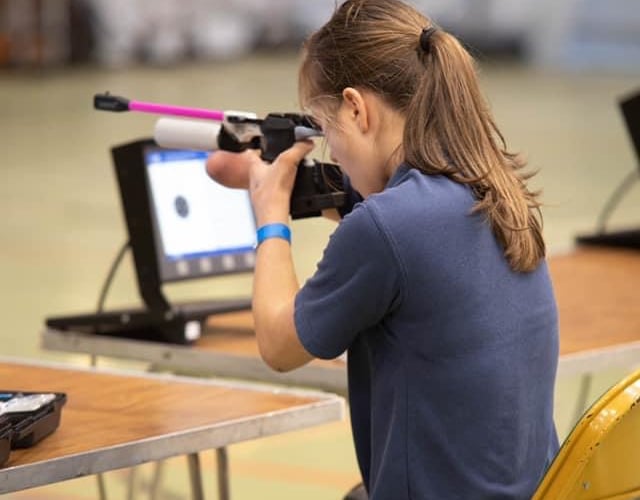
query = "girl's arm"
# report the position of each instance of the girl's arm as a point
(275, 283)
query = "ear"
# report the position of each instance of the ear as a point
(356, 107)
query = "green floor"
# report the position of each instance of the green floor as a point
(63, 226)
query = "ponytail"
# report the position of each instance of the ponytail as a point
(449, 131)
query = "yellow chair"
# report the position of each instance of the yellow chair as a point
(600, 459)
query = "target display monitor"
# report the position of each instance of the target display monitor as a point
(182, 225)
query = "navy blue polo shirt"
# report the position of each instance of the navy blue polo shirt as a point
(452, 355)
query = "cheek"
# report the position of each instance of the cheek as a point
(332, 145)
(334, 151)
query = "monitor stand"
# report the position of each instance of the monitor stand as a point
(182, 323)
(157, 319)
(629, 238)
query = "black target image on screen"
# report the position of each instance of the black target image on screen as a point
(201, 228)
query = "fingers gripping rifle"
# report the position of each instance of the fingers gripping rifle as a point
(318, 186)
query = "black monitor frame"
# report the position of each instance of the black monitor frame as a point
(136, 195)
(630, 238)
(630, 107)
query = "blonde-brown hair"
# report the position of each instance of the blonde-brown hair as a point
(449, 130)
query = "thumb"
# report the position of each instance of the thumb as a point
(230, 169)
(294, 155)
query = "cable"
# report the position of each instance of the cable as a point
(112, 271)
(615, 198)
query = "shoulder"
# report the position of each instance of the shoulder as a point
(362, 239)
(415, 198)
(361, 226)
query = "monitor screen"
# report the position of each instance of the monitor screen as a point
(200, 227)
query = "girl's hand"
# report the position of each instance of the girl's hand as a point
(271, 184)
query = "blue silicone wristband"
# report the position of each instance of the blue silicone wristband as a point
(276, 230)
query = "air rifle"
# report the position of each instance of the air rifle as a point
(318, 185)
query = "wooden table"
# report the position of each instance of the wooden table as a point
(598, 294)
(114, 420)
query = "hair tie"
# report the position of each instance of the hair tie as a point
(425, 38)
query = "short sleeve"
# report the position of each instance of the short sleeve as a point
(356, 284)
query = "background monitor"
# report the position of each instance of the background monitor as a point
(626, 238)
(630, 107)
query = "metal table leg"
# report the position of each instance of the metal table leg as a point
(131, 483)
(197, 492)
(102, 491)
(222, 460)
(156, 480)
